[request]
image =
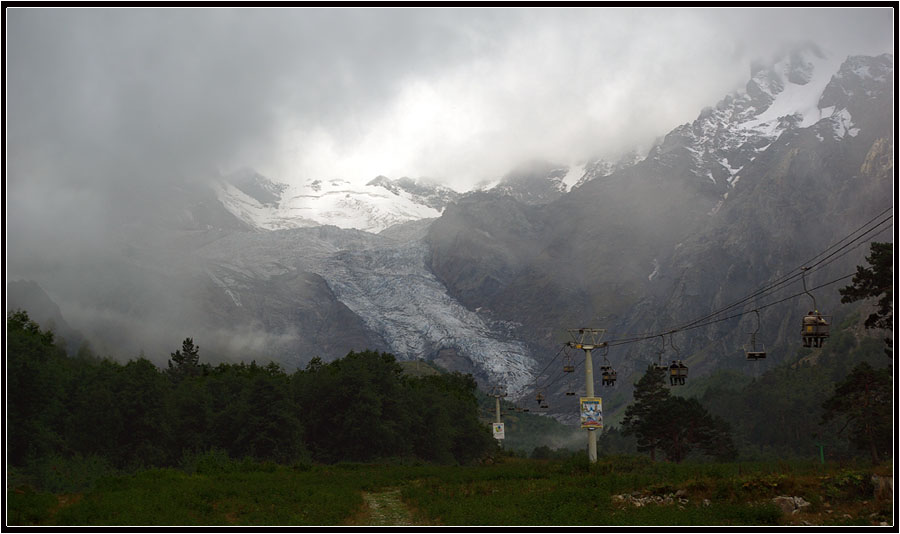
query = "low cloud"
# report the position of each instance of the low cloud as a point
(111, 112)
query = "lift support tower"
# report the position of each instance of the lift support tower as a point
(588, 339)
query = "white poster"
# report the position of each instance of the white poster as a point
(498, 431)
(592, 412)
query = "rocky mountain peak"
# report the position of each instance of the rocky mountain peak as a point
(864, 75)
(795, 90)
(794, 65)
(256, 186)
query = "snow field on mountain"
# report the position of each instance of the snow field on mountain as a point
(336, 202)
(795, 99)
(386, 283)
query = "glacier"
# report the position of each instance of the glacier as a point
(384, 281)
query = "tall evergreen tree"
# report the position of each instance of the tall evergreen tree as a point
(640, 417)
(863, 401)
(185, 362)
(876, 281)
(674, 425)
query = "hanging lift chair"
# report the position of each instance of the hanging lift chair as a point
(753, 351)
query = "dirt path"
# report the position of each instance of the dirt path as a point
(386, 508)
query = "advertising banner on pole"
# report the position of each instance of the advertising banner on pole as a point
(498, 431)
(592, 412)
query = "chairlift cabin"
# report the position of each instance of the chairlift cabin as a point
(752, 350)
(815, 329)
(815, 325)
(570, 390)
(539, 397)
(755, 353)
(659, 366)
(677, 373)
(607, 375)
(567, 362)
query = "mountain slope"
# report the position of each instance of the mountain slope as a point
(377, 205)
(382, 282)
(723, 206)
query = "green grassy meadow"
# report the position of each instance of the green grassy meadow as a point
(511, 491)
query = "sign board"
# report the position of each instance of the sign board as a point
(498, 431)
(592, 412)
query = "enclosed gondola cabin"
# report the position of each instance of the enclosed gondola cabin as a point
(815, 329)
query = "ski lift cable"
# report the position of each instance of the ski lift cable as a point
(761, 292)
(739, 314)
(555, 380)
(551, 379)
(539, 375)
(669, 333)
(798, 272)
(604, 354)
(819, 265)
(795, 295)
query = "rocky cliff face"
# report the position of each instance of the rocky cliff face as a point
(753, 188)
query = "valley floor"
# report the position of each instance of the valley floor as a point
(621, 491)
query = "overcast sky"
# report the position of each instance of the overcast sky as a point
(96, 96)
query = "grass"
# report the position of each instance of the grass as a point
(514, 491)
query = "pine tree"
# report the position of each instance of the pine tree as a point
(674, 425)
(185, 362)
(875, 282)
(641, 418)
(863, 400)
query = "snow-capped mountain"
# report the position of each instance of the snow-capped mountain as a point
(372, 207)
(709, 214)
(540, 182)
(755, 185)
(578, 175)
(382, 202)
(800, 90)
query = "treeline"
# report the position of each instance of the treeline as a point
(358, 408)
(832, 403)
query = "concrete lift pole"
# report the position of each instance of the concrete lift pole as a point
(497, 392)
(588, 339)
